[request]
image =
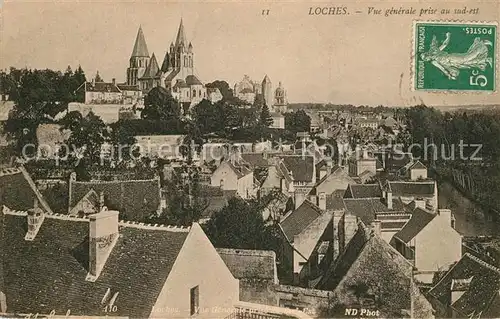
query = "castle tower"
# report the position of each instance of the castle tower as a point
(139, 59)
(180, 57)
(267, 91)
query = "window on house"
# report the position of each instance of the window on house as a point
(195, 300)
(194, 93)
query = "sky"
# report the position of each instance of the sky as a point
(356, 59)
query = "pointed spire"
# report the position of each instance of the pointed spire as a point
(166, 63)
(140, 47)
(266, 79)
(181, 37)
(152, 69)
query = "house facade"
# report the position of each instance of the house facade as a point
(94, 264)
(234, 176)
(429, 240)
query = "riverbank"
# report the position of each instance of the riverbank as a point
(470, 218)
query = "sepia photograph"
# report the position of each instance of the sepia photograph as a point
(239, 159)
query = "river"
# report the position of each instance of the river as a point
(469, 216)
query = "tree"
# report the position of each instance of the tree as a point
(79, 78)
(298, 121)
(122, 138)
(159, 104)
(87, 136)
(209, 117)
(240, 225)
(186, 203)
(265, 117)
(193, 142)
(224, 88)
(38, 96)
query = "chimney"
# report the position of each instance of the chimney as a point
(298, 198)
(420, 202)
(376, 227)
(365, 154)
(388, 199)
(113, 81)
(350, 227)
(35, 220)
(429, 205)
(445, 216)
(101, 201)
(337, 233)
(322, 201)
(103, 234)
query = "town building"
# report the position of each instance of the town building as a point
(302, 229)
(362, 162)
(247, 90)
(256, 271)
(160, 146)
(469, 289)
(413, 171)
(366, 272)
(95, 264)
(233, 174)
(429, 241)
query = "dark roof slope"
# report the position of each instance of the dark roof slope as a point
(101, 87)
(140, 47)
(49, 272)
(480, 282)
(193, 80)
(239, 169)
(18, 191)
(136, 199)
(365, 208)
(400, 188)
(300, 219)
(419, 219)
(249, 264)
(335, 201)
(365, 190)
(302, 167)
(339, 268)
(255, 159)
(152, 69)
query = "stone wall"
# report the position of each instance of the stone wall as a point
(312, 301)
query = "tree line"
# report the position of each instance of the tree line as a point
(479, 130)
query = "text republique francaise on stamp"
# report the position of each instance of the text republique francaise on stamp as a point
(454, 56)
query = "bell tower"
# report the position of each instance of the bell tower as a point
(139, 59)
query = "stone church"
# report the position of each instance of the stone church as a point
(176, 73)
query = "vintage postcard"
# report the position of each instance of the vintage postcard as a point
(249, 159)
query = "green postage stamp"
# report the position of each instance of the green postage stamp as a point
(454, 56)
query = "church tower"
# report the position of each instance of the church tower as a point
(180, 56)
(267, 91)
(280, 100)
(139, 59)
